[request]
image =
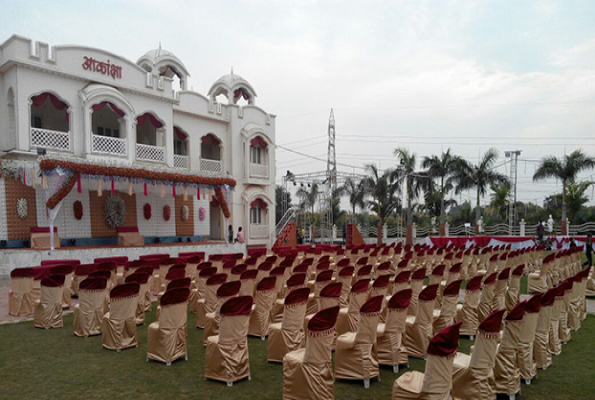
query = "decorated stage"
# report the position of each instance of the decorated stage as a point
(515, 242)
(15, 258)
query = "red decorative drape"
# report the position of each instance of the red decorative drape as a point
(214, 203)
(210, 139)
(179, 134)
(148, 116)
(241, 92)
(114, 108)
(58, 104)
(258, 141)
(258, 203)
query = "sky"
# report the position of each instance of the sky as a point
(425, 75)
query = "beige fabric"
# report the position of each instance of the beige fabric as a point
(119, 324)
(130, 239)
(434, 384)
(416, 287)
(88, 313)
(166, 338)
(355, 355)
(76, 281)
(554, 344)
(67, 292)
(467, 312)
(564, 328)
(48, 309)
(506, 372)
(419, 330)
(42, 240)
(308, 372)
(206, 305)
(212, 319)
(345, 289)
(447, 313)
(541, 354)
(484, 307)
(247, 288)
(527, 367)
(498, 302)
(141, 305)
(198, 293)
(20, 296)
(513, 293)
(227, 358)
(288, 335)
(472, 375)
(260, 317)
(389, 339)
(348, 319)
(537, 281)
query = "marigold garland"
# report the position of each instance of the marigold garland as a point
(62, 192)
(222, 202)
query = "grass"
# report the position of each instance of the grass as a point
(54, 364)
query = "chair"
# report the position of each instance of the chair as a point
(467, 312)
(260, 319)
(364, 272)
(390, 344)
(68, 271)
(401, 281)
(225, 292)
(527, 366)
(446, 315)
(418, 331)
(176, 284)
(112, 267)
(514, 288)
(380, 285)
(47, 312)
(143, 282)
(564, 328)
(382, 269)
(88, 313)
(487, 296)
(20, 296)
(118, 326)
(537, 281)
(201, 287)
(209, 303)
(541, 355)
(437, 274)
(345, 277)
(248, 279)
(166, 337)
(81, 272)
(322, 279)
(227, 358)
(288, 335)
(355, 356)
(472, 375)
(417, 282)
(308, 372)
(237, 271)
(498, 301)
(436, 381)
(507, 375)
(554, 344)
(348, 319)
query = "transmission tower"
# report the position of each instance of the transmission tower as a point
(326, 200)
(514, 161)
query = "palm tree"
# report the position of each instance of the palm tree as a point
(500, 198)
(576, 198)
(384, 189)
(480, 177)
(566, 170)
(308, 197)
(355, 191)
(442, 168)
(414, 181)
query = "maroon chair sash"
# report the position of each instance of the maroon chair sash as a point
(517, 312)
(360, 286)
(445, 342)
(249, 275)
(324, 276)
(175, 296)
(453, 288)
(331, 290)
(324, 320)
(53, 281)
(382, 281)
(347, 271)
(401, 299)
(428, 293)
(241, 305)
(372, 305)
(100, 274)
(137, 277)
(124, 290)
(296, 280)
(93, 284)
(179, 283)
(297, 296)
(267, 283)
(217, 279)
(22, 273)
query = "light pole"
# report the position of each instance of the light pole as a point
(514, 160)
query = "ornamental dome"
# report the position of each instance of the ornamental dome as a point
(163, 62)
(233, 84)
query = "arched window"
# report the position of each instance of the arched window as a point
(106, 120)
(148, 130)
(258, 149)
(180, 142)
(48, 112)
(241, 96)
(11, 113)
(257, 212)
(210, 147)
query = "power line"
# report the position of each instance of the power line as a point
(314, 158)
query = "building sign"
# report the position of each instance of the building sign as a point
(105, 68)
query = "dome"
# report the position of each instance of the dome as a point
(233, 83)
(164, 62)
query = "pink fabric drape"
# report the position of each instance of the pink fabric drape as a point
(210, 139)
(58, 104)
(113, 107)
(179, 134)
(258, 141)
(148, 116)
(258, 203)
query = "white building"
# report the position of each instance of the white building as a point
(85, 103)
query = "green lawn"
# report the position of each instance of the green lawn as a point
(54, 364)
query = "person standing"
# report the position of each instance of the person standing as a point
(540, 231)
(589, 250)
(230, 234)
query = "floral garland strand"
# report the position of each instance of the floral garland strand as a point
(62, 192)
(222, 202)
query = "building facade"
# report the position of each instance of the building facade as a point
(82, 103)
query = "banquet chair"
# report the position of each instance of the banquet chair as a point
(472, 375)
(166, 337)
(225, 292)
(288, 335)
(118, 326)
(191, 266)
(81, 272)
(258, 324)
(382, 269)
(467, 312)
(143, 282)
(237, 271)
(447, 313)
(68, 271)
(201, 287)
(507, 376)
(88, 313)
(176, 271)
(330, 296)
(20, 296)
(436, 382)
(176, 284)
(322, 279)
(390, 339)
(112, 267)
(348, 318)
(209, 303)
(308, 372)
(47, 311)
(418, 331)
(565, 334)
(417, 282)
(541, 355)
(380, 286)
(227, 358)
(437, 274)
(527, 366)
(498, 301)
(297, 280)
(514, 287)
(364, 272)
(248, 279)
(487, 296)
(345, 277)
(554, 343)
(537, 281)
(401, 281)
(355, 355)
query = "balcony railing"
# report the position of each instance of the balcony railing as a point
(259, 231)
(211, 167)
(49, 139)
(181, 161)
(108, 145)
(145, 152)
(259, 170)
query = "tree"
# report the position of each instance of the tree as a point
(500, 199)
(576, 198)
(308, 196)
(355, 192)
(479, 176)
(414, 181)
(565, 169)
(279, 193)
(442, 168)
(384, 189)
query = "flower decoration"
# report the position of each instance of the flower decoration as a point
(62, 192)
(115, 211)
(185, 213)
(77, 207)
(166, 212)
(202, 213)
(22, 208)
(147, 211)
(221, 199)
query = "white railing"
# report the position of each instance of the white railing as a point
(581, 229)
(259, 170)
(181, 161)
(211, 167)
(145, 152)
(108, 145)
(48, 139)
(259, 231)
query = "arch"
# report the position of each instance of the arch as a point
(180, 141)
(49, 111)
(150, 129)
(95, 94)
(11, 112)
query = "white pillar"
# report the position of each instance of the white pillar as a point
(446, 229)
(384, 232)
(334, 232)
(414, 231)
(522, 225)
